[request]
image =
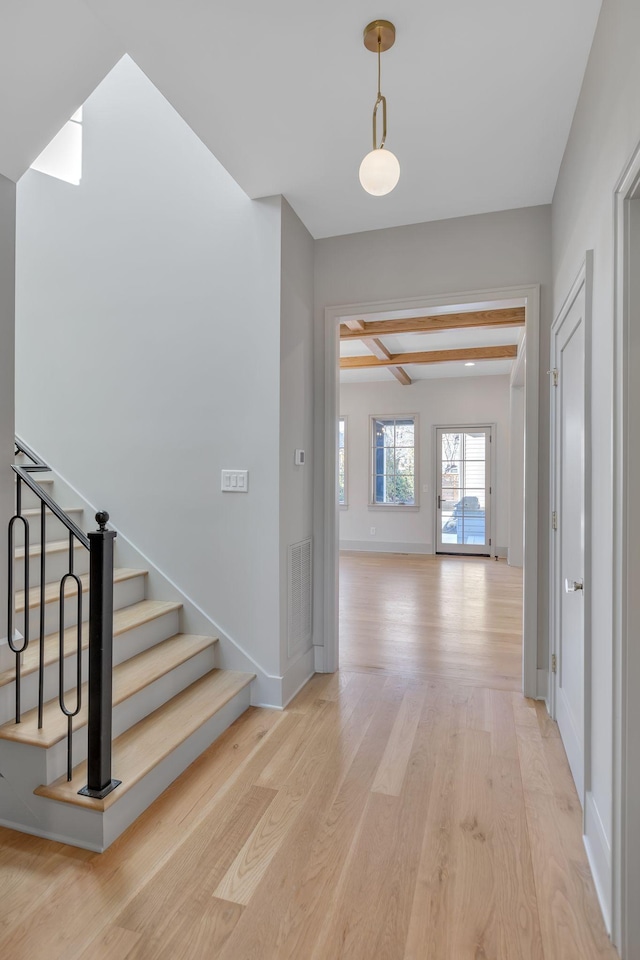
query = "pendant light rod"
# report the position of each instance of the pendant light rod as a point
(379, 35)
(380, 100)
(380, 170)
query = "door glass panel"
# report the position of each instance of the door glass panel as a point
(463, 490)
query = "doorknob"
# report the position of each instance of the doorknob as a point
(572, 586)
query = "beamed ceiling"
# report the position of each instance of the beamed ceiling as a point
(479, 340)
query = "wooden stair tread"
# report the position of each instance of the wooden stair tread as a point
(128, 618)
(129, 678)
(52, 590)
(35, 511)
(138, 750)
(34, 476)
(51, 547)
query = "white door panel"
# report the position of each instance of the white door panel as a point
(569, 483)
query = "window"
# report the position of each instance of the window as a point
(393, 460)
(342, 463)
(62, 158)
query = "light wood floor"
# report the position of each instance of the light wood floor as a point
(450, 618)
(385, 815)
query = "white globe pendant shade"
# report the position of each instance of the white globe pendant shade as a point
(379, 172)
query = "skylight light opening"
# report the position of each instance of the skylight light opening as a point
(62, 158)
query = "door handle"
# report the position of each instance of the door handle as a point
(572, 586)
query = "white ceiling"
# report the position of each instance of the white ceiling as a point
(481, 95)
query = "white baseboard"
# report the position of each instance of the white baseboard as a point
(599, 856)
(542, 685)
(297, 675)
(389, 546)
(318, 658)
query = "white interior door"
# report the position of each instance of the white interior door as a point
(463, 490)
(568, 405)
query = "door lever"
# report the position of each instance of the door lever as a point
(572, 586)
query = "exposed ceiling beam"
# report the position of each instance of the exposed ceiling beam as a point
(355, 329)
(379, 350)
(507, 352)
(354, 325)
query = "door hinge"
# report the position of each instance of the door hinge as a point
(554, 663)
(554, 374)
(489, 491)
(489, 541)
(554, 520)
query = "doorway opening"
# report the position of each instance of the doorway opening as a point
(524, 378)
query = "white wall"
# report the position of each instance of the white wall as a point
(296, 416)
(515, 552)
(445, 257)
(605, 132)
(148, 316)
(7, 294)
(473, 400)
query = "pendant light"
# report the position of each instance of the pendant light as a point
(380, 170)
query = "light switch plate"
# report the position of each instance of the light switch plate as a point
(234, 481)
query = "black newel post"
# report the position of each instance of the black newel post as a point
(99, 782)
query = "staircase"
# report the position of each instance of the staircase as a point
(170, 702)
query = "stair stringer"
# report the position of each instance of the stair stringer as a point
(266, 690)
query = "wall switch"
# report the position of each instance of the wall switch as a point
(425, 488)
(234, 481)
(299, 458)
(372, 531)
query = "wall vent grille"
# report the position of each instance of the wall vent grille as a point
(300, 595)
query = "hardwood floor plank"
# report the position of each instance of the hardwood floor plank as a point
(114, 944)
(286, 913)
(351, 925)
(192, 873)
(474, 900)
(518, 935)
(252, 862)
(504, 742)
(201, 932)
(393, 765)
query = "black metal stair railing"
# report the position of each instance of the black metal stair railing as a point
(100, 546)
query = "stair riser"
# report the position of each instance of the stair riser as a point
(124, 593)
(56, 530)
(124, 646)
(132, 710)
(57, 564)
(22, 766)
(31, 499)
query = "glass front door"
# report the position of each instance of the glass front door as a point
(463, 514)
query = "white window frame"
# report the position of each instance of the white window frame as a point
(343, 504)
(416, 459)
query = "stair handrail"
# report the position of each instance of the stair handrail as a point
(100, 546)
